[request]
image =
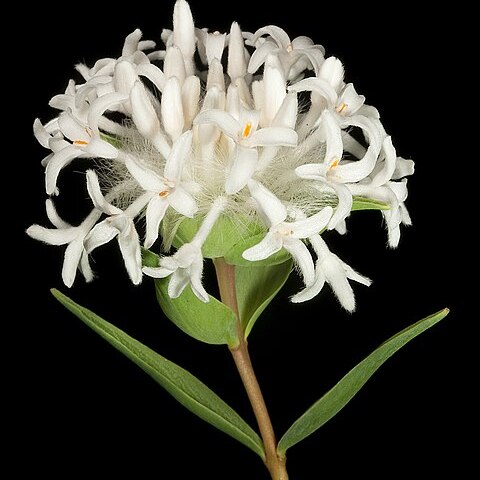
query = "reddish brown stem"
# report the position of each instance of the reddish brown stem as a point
(275, 464)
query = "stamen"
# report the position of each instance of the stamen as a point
(164, 193)
(342, 107)
(81, 143)
(289, 48)
(334, 164)
(247, 130)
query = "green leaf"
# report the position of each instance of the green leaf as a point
(256, 287)
(212, 322)
(335, 399)
(224, 235)
(182, 385)
(234, 255)
(362, 203)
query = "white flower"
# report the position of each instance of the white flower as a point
(167, 190)
(186, 265)
(76, 256)
(283, 234)
(246, 137)
(296, 55)
(119, 224)
(191, 125)
(329, 268)
(85, 140)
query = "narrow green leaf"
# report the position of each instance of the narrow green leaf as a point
(256, 287)
(234, 255)
(335, 399)
(112, 139)
(182, 385)
(212, 322)
(362, 203)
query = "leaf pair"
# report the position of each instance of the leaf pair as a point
(202, 401)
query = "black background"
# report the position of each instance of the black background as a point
(79, 406)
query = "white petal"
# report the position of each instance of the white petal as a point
(42, 136)
(389, 164)
(72, 128)
(312, 171)
(403, 168)
(174, 64)
(184, 28)
(181, 150)
(355, 276)
(317, 85)
(312, 290)
(97, 196)
(273, 137)
(237, 64)
(145, 177)
(337, 278)
(172, 108)
(85, 267)
(278, 35)
(157, 272)
(52, 236)
(100, 234)
(311, 225)
(270, 244)
(130, 248)
(215, 76)
(274, 84)
(153, 73)
(260, 55)
(181, 201)
(58, 161)
(302, 258)
(332, 71)
(344, 207)
(223, 120)
(72, 257)
(143, 113)
(101, 149)
(351, 99)
(333, 138)
(124, 77)
(242, 169)
(156, 209)
(215, 45)
(196, 282)
(54, 217)
(270, 206)
(191, 99)
(146, 45)
(287, 114)
(355, 171)
(178, 282)
(100, 105)
(131, 43)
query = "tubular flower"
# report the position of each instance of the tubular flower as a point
(256, 131)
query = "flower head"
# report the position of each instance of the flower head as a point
(254, 128)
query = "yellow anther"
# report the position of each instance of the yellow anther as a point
(81, 143)
(289, 48)
(334, 163)
(342, 107)
(164, 193)
(247, 130)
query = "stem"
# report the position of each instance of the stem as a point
(275, 464)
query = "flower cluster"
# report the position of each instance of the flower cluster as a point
(256, 127)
